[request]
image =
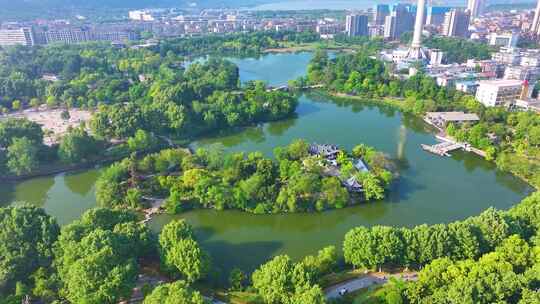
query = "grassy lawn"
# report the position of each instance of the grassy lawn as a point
(238, 297)
(370, 295)
(335, 278)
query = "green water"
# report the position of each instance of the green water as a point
(430, 189)
(64, 196)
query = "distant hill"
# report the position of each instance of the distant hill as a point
(13, 10)
(25, 4)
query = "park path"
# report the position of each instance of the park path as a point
(366, 281)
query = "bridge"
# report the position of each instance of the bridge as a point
(287, 88)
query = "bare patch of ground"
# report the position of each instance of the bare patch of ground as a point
(54, 126)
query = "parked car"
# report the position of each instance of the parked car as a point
(343, 291)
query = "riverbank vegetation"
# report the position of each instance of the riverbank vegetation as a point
(92, 260)
(23, 151)
(511, 139)
(98, 258)
(488, 258)
(243, 44)
(298, 180)
(85, 75)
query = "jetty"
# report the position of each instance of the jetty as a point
(448, 145)
(442, 149)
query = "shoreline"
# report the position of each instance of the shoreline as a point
(306, 48)
(58, 169)
(395, 102)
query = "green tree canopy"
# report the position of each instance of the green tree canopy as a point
(180, 253)
(178, 292)
(27, 235)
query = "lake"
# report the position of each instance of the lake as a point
(430, 189)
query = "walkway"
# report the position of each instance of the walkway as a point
(155, 208)
(448, 144)
(286, 87)
(366, 281)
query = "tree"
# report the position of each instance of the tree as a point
(517, 252)
(188, 259)
(35, 102)
(17, 128)
(95, 256)
(273, 279)
(178, 292)
(101, 276)
(372, 186)
(237, 279)
(27, 235)
(493, 226)
(373, 247)
(46, 284)
(321, 264)
(334, 193)
(142, 141)
(181, 254)
(77, 146)
(281, 281)
(65, 115)
(109, 188)
(16, 105)
(22, 156)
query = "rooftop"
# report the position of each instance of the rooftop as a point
(501, 82)
(453, 116)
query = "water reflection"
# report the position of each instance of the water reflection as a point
(402, 141)
(34, 191)
(73, 181)
(279, 128)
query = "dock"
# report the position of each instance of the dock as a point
(448, 145)
(442, 149)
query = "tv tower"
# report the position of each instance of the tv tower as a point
(415, 51)
(535, 27)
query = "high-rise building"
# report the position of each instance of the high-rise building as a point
(535, 27)
(71, 36)
(476, 7)
(436, 57)
(456, 23)
(435, 15)
(498, 92)
(400, 20)
(381, 11)
(507, 39)
(389, 27)
(140, 15)
(356, 25)
(21, 36)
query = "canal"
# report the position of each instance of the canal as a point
(430, 189)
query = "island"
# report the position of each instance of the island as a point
(302, 177)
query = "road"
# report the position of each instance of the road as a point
(213, 300)
(364, 282)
